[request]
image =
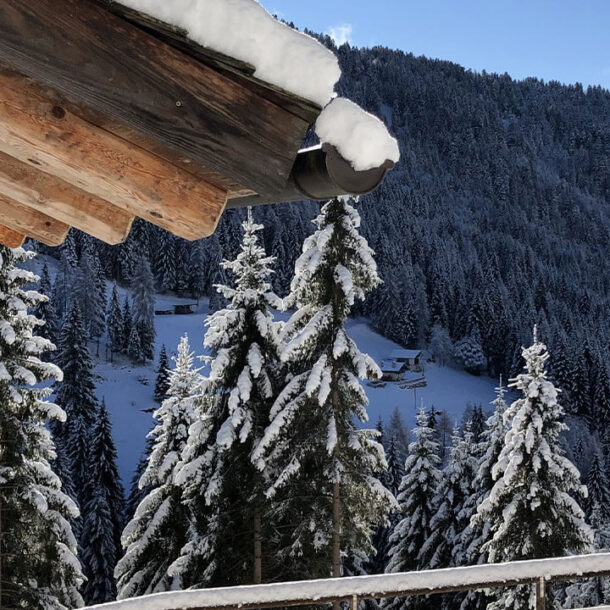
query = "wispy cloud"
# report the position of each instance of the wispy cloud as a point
(341, 33)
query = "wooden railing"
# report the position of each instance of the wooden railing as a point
(535, 572)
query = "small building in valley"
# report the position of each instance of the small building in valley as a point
(412, 358)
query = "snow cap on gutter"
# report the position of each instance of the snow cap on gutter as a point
(361, 138)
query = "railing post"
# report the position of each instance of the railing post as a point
(540, 594)
(353, 604)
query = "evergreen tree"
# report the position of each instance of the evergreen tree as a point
(598, 498)
(143, 289)
(226, 490)
(103, 514)
(158, 529)
(450, 519)
(312, 440)
(468, 550)
(38, 565)
(115, 324)
(134, 346)
(127, 324)
(75, 394)
(163, 375)
(418, 489)
(45, 310)
(530, 509)
(137, 493)
(398, 430)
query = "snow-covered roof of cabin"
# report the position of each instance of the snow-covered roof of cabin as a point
(391, 366)
(286, 58)
(404, 353)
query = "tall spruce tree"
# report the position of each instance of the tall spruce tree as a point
(143, 290)
(38, 564)
(127, 324)
(449, 519)
(158, 529)
(45, 310)
(468, 549)
(225, 491)
(163, 376)
(75, 394)
(103, 514)
(324, 465)
(418, 489)
(530, 508)
(114, 324)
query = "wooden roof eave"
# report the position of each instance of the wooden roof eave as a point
(100, 110)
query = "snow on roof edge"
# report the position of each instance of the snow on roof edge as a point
(360, 137)
(243, 29)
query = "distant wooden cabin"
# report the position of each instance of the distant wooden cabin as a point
(412, 358)
(392, 370)
(182, 309)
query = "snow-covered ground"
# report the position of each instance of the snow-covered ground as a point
(128, 399)
(130, 402)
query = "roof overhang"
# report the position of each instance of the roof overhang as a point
(107, 114)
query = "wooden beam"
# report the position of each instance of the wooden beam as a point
(99, 60)
(11, 238)
(33, 223)
(55, 141)
(58, 199)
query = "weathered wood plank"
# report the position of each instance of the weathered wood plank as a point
(94, 57)
(236, 70)
(33, 223)
(61, 201)
(131, 135)
(57, 142)
(10, 238)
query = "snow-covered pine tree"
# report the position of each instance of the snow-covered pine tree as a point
(137, 494)
(102, 514)
(75, 395)
(417, 491)
(312, 441)
(90, 295)
(594, 591)
(143, 290)
(223, 486)
(134, 346)
(163, 376)
(38, 564)
(158, 530)
(598, 499)
(477, 532)
(45, 310)
(530, 508)
(449, 519)
(165, 261)
(127, 324)
(114, 324)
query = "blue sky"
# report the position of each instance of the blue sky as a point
(564, 40)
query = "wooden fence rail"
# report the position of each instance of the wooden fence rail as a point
(535, 572)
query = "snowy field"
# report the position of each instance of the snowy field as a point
(128, 389)
(129, 400)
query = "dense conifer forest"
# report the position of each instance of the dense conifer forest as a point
(496, 218)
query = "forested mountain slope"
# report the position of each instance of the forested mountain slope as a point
(497, 218)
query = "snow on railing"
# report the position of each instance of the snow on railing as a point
(352, 589)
